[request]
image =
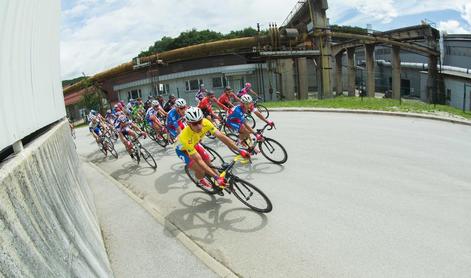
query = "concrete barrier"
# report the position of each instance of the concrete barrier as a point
(48, 225)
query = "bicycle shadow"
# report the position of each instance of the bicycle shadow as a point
(264, 168)
(203, 216)
(173, 180)
(131, 169)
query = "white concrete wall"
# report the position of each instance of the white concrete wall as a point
(30, 87)
(48, 225)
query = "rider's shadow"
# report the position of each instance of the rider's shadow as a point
(202, 217)
(131, 169)
(176, 178)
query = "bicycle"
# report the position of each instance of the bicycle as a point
(246, 192)
(137, 151)
(261, 108)
(267, 146)
(107, 146)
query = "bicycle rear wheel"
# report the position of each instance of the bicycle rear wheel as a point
(273, 151)
(191, 175)
(263, 110)
(251, 196)
(235, 138)
(147, 157)
(215, 158)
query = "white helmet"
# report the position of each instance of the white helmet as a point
(246, 98)
(180, 103)
(155, 102)
(193, 114)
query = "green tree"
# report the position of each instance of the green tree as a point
(193, 37)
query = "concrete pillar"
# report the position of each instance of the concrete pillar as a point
(338, 74)
(17, 147)
(286, 68)
(303, 83)
(324, 42)
(432, 88)
(351, 71)
(396, 72)
(370, 69)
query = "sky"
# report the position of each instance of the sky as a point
(99, 34)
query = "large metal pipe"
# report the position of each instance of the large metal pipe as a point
(180, 54)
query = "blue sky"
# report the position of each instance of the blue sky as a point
(97, 35)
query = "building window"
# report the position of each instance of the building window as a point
(217, 82)
(164, 89)
(133, 94)
(192, 85)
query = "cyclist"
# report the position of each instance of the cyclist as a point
(236, 118)
(226, 97)
(192, 152)
(124, 127)
(174, 118)
(95, 126)
(200, 94)
(110, 117)
(170, 103)
(206, 106)
(247, 90)
(161, 100)
(151, 116)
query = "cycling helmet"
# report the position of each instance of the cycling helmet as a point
(171, 97)
(108, 111)
(193, 114)
(246, 98)
(248, 85)
(93, 112)
(180, 103)
(202, 86)
(155, 103)
(210, 93)
(228, 88)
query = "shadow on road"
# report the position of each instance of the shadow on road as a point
(203, 215)
(130, 169)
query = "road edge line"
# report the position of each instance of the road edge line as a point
(374, 112)
(195, 249)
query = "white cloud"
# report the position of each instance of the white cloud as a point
(110, 37)
(452, 27)
(97, 35)
(466, 13)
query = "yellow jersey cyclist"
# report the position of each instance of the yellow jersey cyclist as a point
(193, 153)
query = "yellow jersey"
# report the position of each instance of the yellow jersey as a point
(188, 138)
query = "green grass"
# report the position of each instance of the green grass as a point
(372, 104)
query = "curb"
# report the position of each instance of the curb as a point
(373, 112)
(213, 264)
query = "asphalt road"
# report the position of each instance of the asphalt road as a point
(360, 196)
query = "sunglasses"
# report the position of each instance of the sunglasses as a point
(196, 123)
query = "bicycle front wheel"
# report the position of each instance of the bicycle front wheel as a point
(263, 110)
(273, 151)
(148, 157)
(251, 196)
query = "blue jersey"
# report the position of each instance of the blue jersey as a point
(172, 119)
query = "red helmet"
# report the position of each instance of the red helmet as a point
(248, 85)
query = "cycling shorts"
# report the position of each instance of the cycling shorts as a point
(183, 155)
